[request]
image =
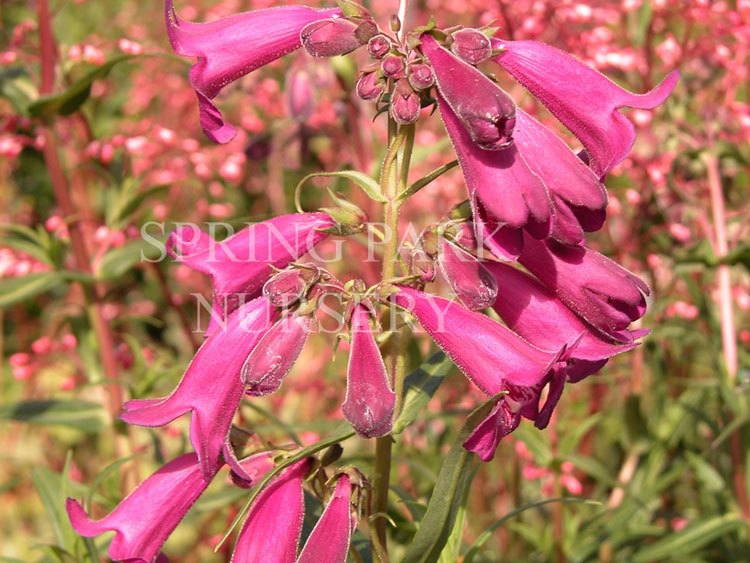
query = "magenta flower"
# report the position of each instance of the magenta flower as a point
(211, 388)
(534, 313)
(329, 540)
(275, 354)
(241, 264)
(488, 353)
(272, 529)
(578, 197)
(230, 48)
(467, 276)
(369, 399)
(144, 519)
(601, 291)
(584, 100)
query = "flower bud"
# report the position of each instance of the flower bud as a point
(331, 37)
(393, 65)
(379, 46)
(405, 104)
(421, 76)
(285, 288)
(471, 45)
(369, 86)
(300, 95)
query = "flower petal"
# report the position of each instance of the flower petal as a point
(329, 540)
(147, 516)
(485, 438)
(584, 100)
(573, 186)
(469, 280)
(485, 351)
(369, 399)
(510, 193)
(241, 264)
(272, 529)
(211, 388)
(598, 289)
(275, 354)
(231, 47)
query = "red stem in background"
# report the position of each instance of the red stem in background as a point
(61, 190)
(728, 334)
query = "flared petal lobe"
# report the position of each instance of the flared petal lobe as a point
(369, 400)
(489, 354)
(584, 100)
(601, 291)
(485, 438)
(273, 526)
(241, 264)
(578, 197)
(329, 540)
(143, 521)
(231, 47)
(211, 388)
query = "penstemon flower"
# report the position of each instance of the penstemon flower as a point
(536, 309)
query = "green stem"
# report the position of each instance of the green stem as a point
(393, 180)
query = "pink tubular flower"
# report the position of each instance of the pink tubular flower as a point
(534, 313)
(241, 264)
(584, 100)
(144, 520)
(468, 278)
(578, 197)
(272, 530)
(230, 48)
(601, 291)
(489, 354)
(211, 388)
(329, 540)
(273, 526)
(369, 400)
(275, 354)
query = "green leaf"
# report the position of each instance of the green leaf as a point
(452, 549)
(487, 534)
(15, 290)
(128, 202)
(17, 87)
(706, 473)
(419, 387)
(690, 539)
(425, 180)
(81, 415)
(368, 184)
(69, 101)
(119, 261)
(452, 482)
(51, 489)
(344, 433)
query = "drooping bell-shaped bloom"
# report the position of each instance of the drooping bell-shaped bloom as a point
(241, 264)
(584, 100)
(482, 107)
(211, 388)
(146, 517)
(275, 355)
(369, 399)
(230, 48)
(329, 540)
(598, 289)
(467, 276)
(488, 353)
(273, 526)
(533, 312)
(578, 197)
